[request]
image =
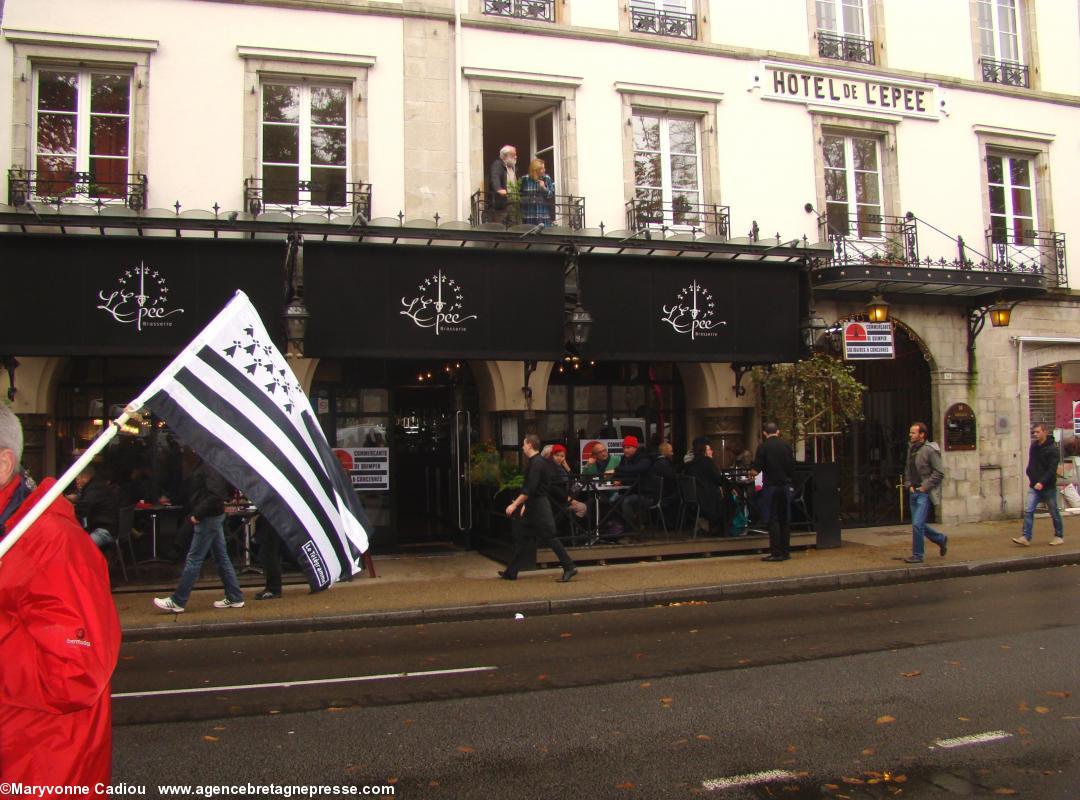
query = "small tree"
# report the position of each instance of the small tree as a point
(814, 400)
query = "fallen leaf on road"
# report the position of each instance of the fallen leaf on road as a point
(854, 781)
(1042, 710)
(886, 720)
(1023, 707)
(646, 685)
(666, 702)
(678, 742)
(541, 677)
(334, 709)
(639, 656)
(744, 661)
(1004, 790)
(210, 738)
(1006, 647)
(565, 635)
(542, 748)
(693, 630)
(624, 785)
(464, 748)
(1023, 731)
(953, 663)
(433, 784)
(792, 748)
(392, 780)
(964, 719)
(701, 737)
(127, 658)
(1061, 695)
(406, 722)
(869, 751)
(913, 674)
(899, 779)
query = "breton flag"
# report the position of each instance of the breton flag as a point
(231, 397)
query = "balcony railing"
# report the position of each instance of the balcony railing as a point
(541, 10)
(663, 23)
(1008, 73)
(565, 211)
(873, 239)
(297, 196)
(845, 48)
(680, 216)
(80, 188)
(1037, 252)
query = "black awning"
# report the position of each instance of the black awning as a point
(95, 295)
(387, 301)
(680, 310)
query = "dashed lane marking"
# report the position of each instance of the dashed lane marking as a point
(750, 779)
(289, 684)
(975, 738)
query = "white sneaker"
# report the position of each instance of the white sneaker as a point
(168, 604)
(227, 603)
(1020, 540)
(1056, 541)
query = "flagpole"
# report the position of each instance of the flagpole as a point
(65, 480)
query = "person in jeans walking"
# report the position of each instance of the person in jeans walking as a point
(1042, 480)
(207, 492)
(923, 480)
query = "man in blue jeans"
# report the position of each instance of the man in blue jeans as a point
(207, 492)
(1042, 482)
(923, 478)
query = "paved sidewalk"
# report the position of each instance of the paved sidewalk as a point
(416, 589)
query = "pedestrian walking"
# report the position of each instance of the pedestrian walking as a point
(776, 462)
(537, 519)
(1042, 482)
(923, 478)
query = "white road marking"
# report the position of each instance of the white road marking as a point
(748, 780)
(289, 684)
(975, 738)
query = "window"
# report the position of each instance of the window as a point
(853, 189)
(664, 17)
(543, 10)
(304, 144)
(667, 169)
(1000, 48)
(82, 133)
(842, 31)
(1012, 199)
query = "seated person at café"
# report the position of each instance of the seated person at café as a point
(710, 485)
(600, 462)
(664, 467)
(631, 471)
(562, 482)
(97, 507)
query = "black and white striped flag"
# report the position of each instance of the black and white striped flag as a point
(232, 398)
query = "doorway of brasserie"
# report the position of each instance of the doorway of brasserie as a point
(406, 429)
(874, 451)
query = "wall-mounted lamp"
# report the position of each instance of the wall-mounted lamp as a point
(812, 327)
(580, 322)
(10, 363)
(877, 310)
(1000, 314)
(296, 321)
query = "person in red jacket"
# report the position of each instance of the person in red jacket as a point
(59, 638)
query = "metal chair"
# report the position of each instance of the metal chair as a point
(654, 489)
(688, 497)
(800, 487)
(125, 521)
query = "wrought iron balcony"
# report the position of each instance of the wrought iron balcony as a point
(297, 196)
(845, 48)
(565, 211)
(80, 188)
(873, 239)
(663, 23)
(1037, 252)
(541, 10)
(1009, 73)
(710, 218)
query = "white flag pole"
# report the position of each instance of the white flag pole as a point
(65, 480)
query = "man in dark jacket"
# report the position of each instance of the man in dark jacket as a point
(631, 471)
(206, 492)
(97, 507)
(663, 467)
(538, 523)
(502, 173)
(1042, 480)
(776, 462)
(923, 476)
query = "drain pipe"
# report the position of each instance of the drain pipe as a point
(460, 132)
(1020, 342)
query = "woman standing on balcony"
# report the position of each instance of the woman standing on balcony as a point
(537, 195)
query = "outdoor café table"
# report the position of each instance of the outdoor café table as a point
(152, 510)
(597, 490)
(247, 514)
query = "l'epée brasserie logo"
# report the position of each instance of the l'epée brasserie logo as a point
(141, 299)
(693, 313)
(439, 304)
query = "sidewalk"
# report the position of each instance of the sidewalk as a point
(459, 586)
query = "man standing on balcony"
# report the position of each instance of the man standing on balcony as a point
(502, 174)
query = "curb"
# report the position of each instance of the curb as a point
(603, 602)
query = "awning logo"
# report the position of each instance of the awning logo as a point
(438, 304)
(141, 299)
(694, 312)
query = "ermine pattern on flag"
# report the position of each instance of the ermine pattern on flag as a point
(233, 399)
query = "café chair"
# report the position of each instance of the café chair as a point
(654, 489)
(125, 521)
(801, 488)
(688, 500)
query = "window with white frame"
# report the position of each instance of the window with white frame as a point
(853, 189)
(1001, 52)
(304, 136)
(843, 30)
(664, 17)
(1010, 182)
(667, 169)
(82, 133)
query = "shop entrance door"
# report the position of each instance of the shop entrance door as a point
(432, 439)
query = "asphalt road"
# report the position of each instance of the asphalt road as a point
(955, 688)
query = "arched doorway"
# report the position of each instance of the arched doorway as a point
(873, 451)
